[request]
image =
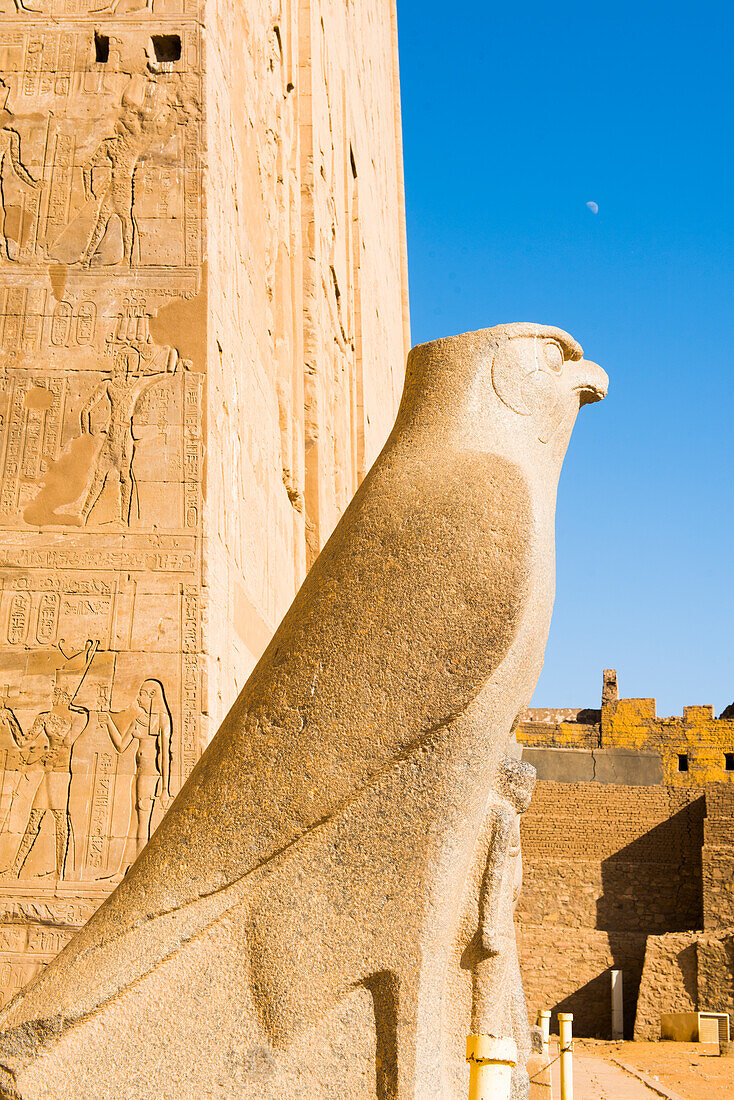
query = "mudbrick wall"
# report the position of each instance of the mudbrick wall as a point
(605, 866)
(718, 858)
(633, 870)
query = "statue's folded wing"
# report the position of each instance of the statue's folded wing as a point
(402, 620)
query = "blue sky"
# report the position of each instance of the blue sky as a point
(514, 117)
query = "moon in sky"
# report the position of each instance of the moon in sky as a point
(593, 207)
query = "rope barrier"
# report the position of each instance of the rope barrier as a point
(563, 1050)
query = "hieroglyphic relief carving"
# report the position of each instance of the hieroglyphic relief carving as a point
(148, 116)
(113, 176)
(85, 777)
(43, 761)
(146, 626)
(119, 8)
(64, 452)
(147, 725)
(101, 451)
(11, 161)
(72, 762)
(102, 772)
(121, 392)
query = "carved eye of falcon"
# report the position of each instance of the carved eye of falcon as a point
(553, 354)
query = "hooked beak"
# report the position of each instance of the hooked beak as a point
(593, 382)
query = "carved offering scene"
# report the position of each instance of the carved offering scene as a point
(111, 444)
(99, 148)
(83, 784)
(99, 721)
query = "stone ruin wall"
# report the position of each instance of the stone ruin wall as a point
(605, 866)
(625, 874)
(718, 858)
(203, 326)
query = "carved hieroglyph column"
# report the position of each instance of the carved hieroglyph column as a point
(202, 332)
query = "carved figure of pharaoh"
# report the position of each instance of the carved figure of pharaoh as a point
(301, 923)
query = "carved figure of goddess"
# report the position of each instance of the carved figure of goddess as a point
(148, 724)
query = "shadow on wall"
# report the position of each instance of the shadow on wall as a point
(591, 1005)
(687, 962)
(650, 886)
(654, 884)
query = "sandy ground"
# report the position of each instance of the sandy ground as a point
(692, 1071)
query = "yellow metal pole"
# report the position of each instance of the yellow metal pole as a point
(544, 1017)
(490, 1066)
(565, 1024)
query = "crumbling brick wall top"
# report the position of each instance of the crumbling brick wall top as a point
(695, 748)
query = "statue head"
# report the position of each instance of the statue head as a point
(540, 372)
(516, 782)
(514, 389)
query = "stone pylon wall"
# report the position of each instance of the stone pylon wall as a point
(202, 335)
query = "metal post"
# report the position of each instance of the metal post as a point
(544, 1018)
(617, 1006)
(565, 1024)
(490, 1066)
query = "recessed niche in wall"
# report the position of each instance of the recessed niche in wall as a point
(167, 47)
(101, 47)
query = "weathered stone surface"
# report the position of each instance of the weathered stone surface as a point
(624, 848)
(202, 335)
(669, 981)
(498, 1000)
(317, 881)
(685, 972)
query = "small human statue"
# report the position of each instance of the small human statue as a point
(498, 1001)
